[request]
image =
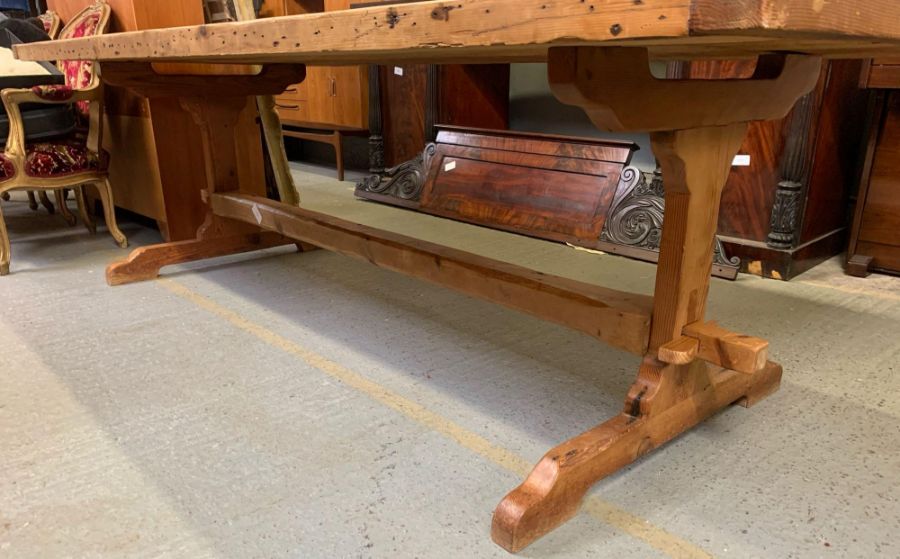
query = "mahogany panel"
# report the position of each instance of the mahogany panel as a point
(880, 222)
(538, 144)
(834, 168)
(519, 192)
(796, 190)
(474, 96)
(544, 186)
(403, 111)
(750, 191)
(874, 242)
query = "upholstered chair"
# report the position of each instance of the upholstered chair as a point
(65, 162)
(52, 24)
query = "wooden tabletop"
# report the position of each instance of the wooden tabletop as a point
(511, 30)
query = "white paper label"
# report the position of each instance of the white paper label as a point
(449, 166)
(256, 213)
(741, 161)
(398, 71)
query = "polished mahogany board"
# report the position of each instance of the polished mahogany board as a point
(543, 186)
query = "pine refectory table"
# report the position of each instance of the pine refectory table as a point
(597, 53)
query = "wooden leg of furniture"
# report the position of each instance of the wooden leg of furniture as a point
(859, 266)
(4, 246)
(45, 201)
(339, 154)
(109, 212)
(63, 207)
(553, 492)
(86, 216)
(335, 140)
(272, 132)
(4, 196)
(696, 129)
(666, 399)
(144, 263)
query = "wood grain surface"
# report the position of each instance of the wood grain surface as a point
(507, 30)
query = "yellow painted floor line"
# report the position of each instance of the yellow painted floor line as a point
(608, 513)
(869, 292)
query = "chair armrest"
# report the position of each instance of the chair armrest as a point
(48, 95)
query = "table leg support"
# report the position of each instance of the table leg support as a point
(144, 263)
(687, 395)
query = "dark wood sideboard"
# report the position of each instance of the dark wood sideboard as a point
(875, 235)
(408, 101)
(789, 209)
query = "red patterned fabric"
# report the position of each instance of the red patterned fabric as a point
(7, 170)
(46, 21)
(53, 92)
(59, 159)
(80, 73)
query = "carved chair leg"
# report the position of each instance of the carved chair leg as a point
(4, 246)
(48, 205)
(63, 207)
(109, 212)
(32, 201)
(86, 216)
(4, 196)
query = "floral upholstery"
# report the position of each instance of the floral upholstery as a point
(49, 20)
(7, 170)
(80, 73)
(59, 159)
(68, 155)
(53, 92)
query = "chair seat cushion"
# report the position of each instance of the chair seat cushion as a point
(7, 170)
(56, 159)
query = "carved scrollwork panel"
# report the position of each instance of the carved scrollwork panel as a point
(636, 216)
(405, 181)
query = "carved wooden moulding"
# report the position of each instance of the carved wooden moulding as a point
(577, 191)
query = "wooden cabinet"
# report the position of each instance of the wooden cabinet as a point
(414, 98)
(875, 235)
(331, 97)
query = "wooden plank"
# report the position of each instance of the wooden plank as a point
(507, 30)
(618, 318)
(834, 19)
(145, 262)
(679, 351)
(731, 350)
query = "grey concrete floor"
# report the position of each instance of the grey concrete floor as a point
(309, 405)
